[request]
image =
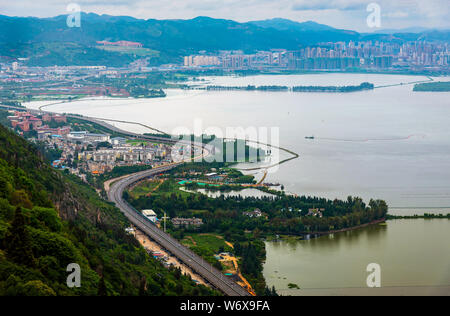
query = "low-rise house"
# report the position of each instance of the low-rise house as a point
(59, 118)
(118, 141)
(43, 135)
(62, 131)
(150, 214)
(255, 213)
(92, 137)
(98, 167)
(84, 136)
(316, 212)
(187, 222)
(56, 117)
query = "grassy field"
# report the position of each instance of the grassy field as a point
(133, 142)
(143, 189)
(212, 242)
(167, 188)
(206, 245)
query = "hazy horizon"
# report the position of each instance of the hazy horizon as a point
(341, 14)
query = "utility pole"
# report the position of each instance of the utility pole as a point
(165, 217)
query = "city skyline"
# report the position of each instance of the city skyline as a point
(336, 55)
(343, 14)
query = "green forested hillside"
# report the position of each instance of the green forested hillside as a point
(48, 41)
(48, 220)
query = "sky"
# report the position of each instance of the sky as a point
(345, 14)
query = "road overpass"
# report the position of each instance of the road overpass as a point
(161, 139)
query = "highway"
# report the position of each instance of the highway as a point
(182, 253)
(101, 122)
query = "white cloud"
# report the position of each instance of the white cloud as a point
(302, 5)
(396, 14)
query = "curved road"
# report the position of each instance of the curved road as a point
(184, 254)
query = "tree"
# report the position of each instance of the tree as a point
(250, 261)
(102, 291)
(20, 198)
(37, 288)
(179, 288)
(217, 265)
(17, 241)
(270, 291)
(5, 188)
(143, 287)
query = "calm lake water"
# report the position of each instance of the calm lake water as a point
(410, 252)
(389, 143)
(254, 193)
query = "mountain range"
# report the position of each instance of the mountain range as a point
(38, 38)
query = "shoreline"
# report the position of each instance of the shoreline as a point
(375, 222)
(443, 290)
(318, 234)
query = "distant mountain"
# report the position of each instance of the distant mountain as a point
(193, 34)
(49, 41)
(416, 30)
(285, 24)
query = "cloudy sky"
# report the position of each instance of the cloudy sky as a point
(348, 14)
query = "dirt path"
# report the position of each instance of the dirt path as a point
(155, 188)
(147, 243)
(263, 178)
(244, 283)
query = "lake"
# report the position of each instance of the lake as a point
(410, 253)
(388, 143)
(245, 193)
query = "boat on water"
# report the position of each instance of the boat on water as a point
(309, 137)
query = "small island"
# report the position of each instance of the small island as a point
(341, 89)
(439, 86)
(361, 87)
(247, 88)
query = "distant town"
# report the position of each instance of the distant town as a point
(410, 56)
(83, 152)
(333, 56)
(23, 83)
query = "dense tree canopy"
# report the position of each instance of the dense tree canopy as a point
(49, 220)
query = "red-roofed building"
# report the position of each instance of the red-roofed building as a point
(24, 126)
(35, 122)
(59, 118)
(54, 131)
(46, 117)
(24, 120)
